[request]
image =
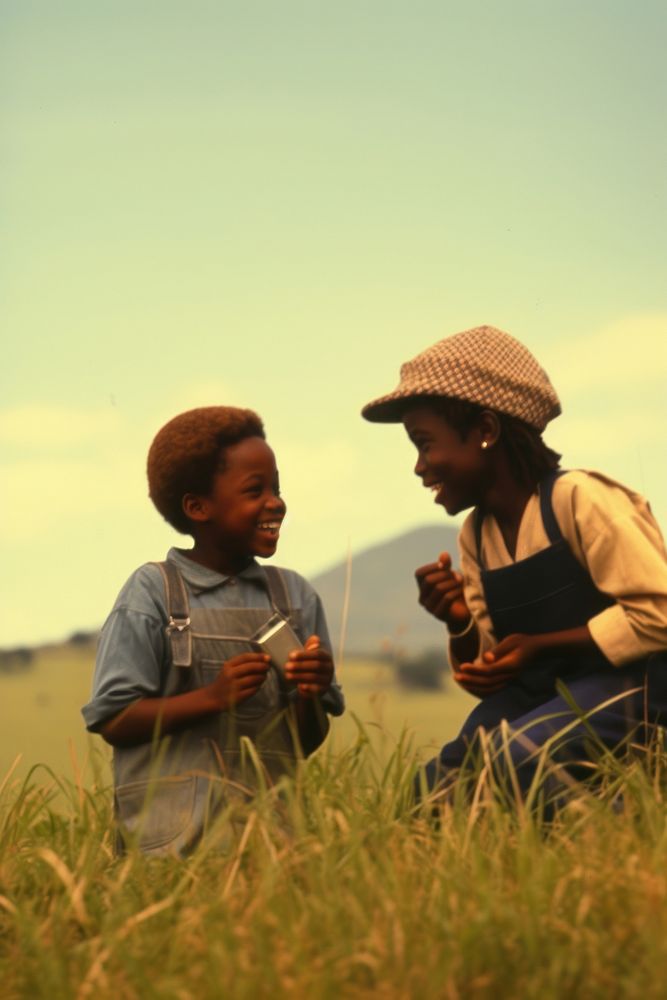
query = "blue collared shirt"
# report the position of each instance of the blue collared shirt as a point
(133, 656)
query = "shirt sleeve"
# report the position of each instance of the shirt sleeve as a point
(131, 657)
(613, 534)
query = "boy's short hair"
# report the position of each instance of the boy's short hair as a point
(188, 451)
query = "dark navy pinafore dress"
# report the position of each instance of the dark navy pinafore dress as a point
(551, 591)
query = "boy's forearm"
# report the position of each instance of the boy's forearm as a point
(139, 722)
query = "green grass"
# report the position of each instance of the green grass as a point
(334, 888)
(331, 886)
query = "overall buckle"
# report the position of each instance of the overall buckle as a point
(180, 640)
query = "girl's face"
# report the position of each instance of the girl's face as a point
(456, 470)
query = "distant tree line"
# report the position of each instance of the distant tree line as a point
(13, 661)
(82, 638)
(425, 671)
(20, 658)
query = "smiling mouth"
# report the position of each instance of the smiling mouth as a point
(270, 527)
(436, 489)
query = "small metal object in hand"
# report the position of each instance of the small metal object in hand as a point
(277, 639)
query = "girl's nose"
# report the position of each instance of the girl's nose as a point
(420, 467)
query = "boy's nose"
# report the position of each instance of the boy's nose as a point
(420, 467)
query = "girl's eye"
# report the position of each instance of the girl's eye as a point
(421, 445)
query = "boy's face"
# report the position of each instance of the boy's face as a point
(453, 468)
(244, 508)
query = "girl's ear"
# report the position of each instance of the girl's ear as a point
(195, 507)
(489, 428)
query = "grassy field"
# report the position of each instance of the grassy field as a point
(332, 886)
(43, 722)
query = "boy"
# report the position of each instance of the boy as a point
(179, 682)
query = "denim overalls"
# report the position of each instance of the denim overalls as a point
(550, 591)
(167, 790)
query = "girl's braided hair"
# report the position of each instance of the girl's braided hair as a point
(530, 459)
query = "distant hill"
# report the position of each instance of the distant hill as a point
(384, 615)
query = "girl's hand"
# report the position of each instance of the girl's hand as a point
(310, 668)
(441, 593)
(498, 666)
(239, 679)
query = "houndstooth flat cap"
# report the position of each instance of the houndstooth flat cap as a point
(483, 366)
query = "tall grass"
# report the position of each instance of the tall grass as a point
(332, 885)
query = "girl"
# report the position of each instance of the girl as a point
(563, 573)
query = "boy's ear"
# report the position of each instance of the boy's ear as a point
(195, 507)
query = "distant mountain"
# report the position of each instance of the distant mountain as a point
(384, 616)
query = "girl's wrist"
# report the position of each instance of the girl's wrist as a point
(462, 631)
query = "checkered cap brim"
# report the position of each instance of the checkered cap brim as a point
(483, 366)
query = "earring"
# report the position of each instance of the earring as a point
(485, 444)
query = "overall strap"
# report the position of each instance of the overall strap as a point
(178, 609)
(549, 521)
(278, 592)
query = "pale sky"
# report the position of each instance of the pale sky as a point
(274, 204)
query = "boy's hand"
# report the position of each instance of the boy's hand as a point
(239, 679)
(498, 666)
(310, 668)
(441, 593)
